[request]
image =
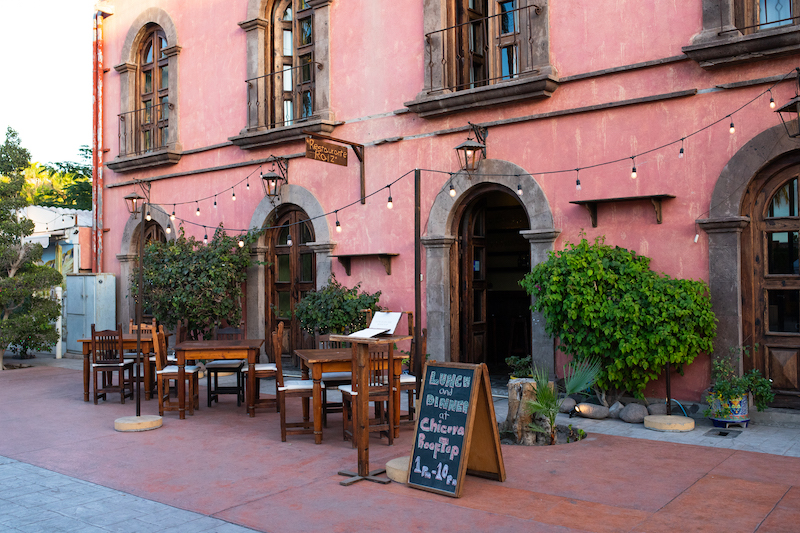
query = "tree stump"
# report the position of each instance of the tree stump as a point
(520, 392)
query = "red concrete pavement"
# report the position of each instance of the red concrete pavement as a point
(224, 464)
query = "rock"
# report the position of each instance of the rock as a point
(657, 408)
(615, 409)
(590, 410)
(567, 405)
(633, 413)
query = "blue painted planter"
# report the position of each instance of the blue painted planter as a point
(740, 413)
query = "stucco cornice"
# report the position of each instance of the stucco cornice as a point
(252, 24)
(724, 225)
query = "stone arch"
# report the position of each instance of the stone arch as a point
(129, 254)
(439, 240)
(323, 247)
(724, 227)
(153, 15)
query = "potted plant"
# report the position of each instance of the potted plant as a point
(728, 395)
(521, 367)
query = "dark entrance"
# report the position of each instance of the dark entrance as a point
(493, 311)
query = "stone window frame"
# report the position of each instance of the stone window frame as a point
(258, 33)
(537, 79)
(721, 43)
(128, 70)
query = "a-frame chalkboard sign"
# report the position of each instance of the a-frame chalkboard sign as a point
(456, 432)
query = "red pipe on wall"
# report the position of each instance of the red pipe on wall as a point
(97, 146)
(95, 151)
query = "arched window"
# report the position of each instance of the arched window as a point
(153, 91)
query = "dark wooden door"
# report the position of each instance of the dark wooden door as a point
(473, 283)
(773, 290)
(291, 274)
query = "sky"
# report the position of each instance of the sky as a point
(46, 87)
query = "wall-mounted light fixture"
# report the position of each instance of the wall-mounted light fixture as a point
(471, 151)
(790, 112)
(272, 181)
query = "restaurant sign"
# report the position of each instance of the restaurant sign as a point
(322, 151)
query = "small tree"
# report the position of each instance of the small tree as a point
(606, 302)
(27, 310)
(335, 308)
(186, 279)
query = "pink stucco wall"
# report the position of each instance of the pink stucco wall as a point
(377, 64)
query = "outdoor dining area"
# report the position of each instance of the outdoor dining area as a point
(361, 377)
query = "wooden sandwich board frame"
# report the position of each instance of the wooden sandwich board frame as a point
(481, 440)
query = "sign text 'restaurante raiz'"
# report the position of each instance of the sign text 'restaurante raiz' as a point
(322, 151)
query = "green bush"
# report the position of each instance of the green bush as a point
(335, 308)
(606, 302)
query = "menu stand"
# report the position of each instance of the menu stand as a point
(361, 423)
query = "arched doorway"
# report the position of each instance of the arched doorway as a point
(492, 310)
(771, 277)
(291, 272)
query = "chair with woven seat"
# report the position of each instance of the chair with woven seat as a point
(408, 382)
(213, 369)
(108, 358)
(166, 373)
(302, 388)
(332, 380)
(380, 390)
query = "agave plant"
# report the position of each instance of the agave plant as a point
(578, 376)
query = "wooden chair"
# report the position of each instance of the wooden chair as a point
(264, 371)
(148, 368)
(331, 379)
(166, 373)
(408, 382)
(302, 388)
(380, 389)
(108, 357)
(213, 368)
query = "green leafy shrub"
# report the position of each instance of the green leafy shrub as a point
(727, 384)
(606, 302)
(335, 308)
(521, 367)
(186, 279)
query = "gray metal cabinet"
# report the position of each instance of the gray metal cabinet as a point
(91, 299)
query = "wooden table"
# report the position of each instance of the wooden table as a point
(318, 361)
(227, 349)
(128, 344)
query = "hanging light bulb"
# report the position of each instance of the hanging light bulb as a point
(519, 190)
(147, 216)
(169, 228)
(771, 101)
(233, 196)
(732, 128)
(172, 216)
(577, 180)
(241, 243)
(338, 226)
(389, 203)
(205, 237)
(215, 201)
(452, 190)
(680, 154)
(248, 184)
(633, 170)
(289, 241)
(198, 209)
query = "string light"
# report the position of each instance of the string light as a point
(172, 216)
(248, 183)
(771, 100)
(198, 209)
(633, 170)
(680, 154)
(577, 179)
(169, 228)
(147, 216)
(452, 190)
(233, 196)
(519, 189)
(205, 237)
(732, 128)
(338, 226)
(215, 201)
(389, 203)
(241, 243)
(289, 241)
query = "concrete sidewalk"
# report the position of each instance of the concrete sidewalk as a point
(68, 470)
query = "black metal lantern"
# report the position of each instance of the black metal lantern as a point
(272, 181)
(790, 112)
(471, 151)
(133, 201)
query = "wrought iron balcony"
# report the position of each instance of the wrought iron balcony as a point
(144, 130)
(483, 51)
(282, 98)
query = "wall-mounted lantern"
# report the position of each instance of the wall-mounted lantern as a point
(471, 151)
